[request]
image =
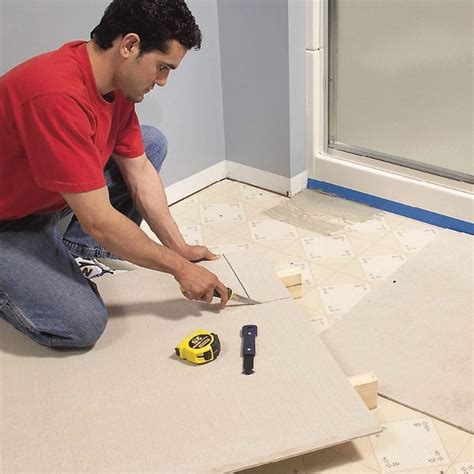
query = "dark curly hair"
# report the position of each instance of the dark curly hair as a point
(156, 22)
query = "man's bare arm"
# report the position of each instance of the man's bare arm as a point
(122, 237)
(146, 189)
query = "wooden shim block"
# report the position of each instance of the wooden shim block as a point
(290, 276)
(295, 291)
(366, 386)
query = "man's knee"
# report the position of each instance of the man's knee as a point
(85, 327)
(156, 145)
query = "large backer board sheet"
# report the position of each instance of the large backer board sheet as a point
(415, 332)
(131, 405)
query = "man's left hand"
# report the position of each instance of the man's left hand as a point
(196, 253)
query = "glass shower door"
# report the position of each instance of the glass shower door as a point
(401, 85)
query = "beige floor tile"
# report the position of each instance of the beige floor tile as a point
(413, 240)
(393, 220)
(293, 465)
(222, 213)
(339, 299)
(312, 301)
(409, 444)
(253, 194)
(253, 212)
(189, 212)
(323, 247)
(264, 230)
(380, 267)
(316, 461)
(212, 232)
(227, 187)
(295, 249)
(466, 456)
(192, 234)
(391, 242)
(414, 224)
(221, 249)
(361, 451)
(277, 245)
(320, 273)
(453, 439)
(392, 411)
(354, 269)
(342, 464)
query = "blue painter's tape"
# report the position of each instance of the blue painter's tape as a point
(402, 209)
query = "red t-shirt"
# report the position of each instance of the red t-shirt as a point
(57, 131)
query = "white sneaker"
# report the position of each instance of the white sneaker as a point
(92, 268)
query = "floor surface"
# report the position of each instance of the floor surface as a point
(340, 266)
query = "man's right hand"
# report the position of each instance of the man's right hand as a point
(199, 284)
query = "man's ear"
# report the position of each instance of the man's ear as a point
(130, 45)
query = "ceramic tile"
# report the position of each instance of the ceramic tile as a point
(339, 299)
(360, 245)
(278, 245)
(227, 187)
(316, 461)
(212, 231)
(269, 229)
(342, 464)
(360, 450)
(306, 275)
(391, 242)
(229, 248)
(250, 193)
(415, 239)
(466, 456)
(409, 444)
(222, 213)
(327, 247)
(393, 220)
(410, 224)
(354, 269)
(253, 212)
(340, 278)
(370, 226)
(380, 267)
(192, 215)
(453, 439)
(320, 323)
(192, 234)
(293, 465)
(320, 273)
(392, 411)
(464, 467)
(312, 301)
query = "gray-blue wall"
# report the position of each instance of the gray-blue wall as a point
(263, 46)
(188, 109)
(241, 98)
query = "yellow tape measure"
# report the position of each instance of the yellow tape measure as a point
(200, 347)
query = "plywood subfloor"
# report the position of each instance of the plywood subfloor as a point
(131, 405)
(415, 332)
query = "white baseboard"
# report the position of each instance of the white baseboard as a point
(266, 180)
(411, 191)
(246, 174)
(298, 183)
(177, 191)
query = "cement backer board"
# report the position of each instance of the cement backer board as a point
(130, 404)
(415, 332)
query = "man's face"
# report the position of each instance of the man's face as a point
(139, 75)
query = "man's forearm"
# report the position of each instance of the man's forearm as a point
(122, 237)
(150, 199)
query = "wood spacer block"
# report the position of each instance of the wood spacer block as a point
(290, 276)
(366, 386)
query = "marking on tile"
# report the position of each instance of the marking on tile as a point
(222, 213)
(230, 248)
(415, 239)
(192, 234)
(379, 267)
(250, 193)
(464, 467)
(409, 444)
(340, 299)
(318, 247)
(376, 224)
(271, 230)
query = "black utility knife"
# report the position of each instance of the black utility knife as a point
(249, 333)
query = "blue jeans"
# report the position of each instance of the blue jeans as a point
(43, 293)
